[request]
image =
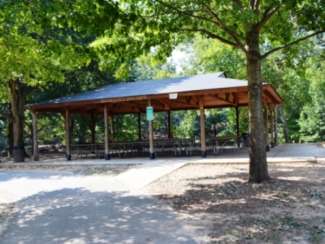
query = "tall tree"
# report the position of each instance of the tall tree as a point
(257, 28)
(39, 42)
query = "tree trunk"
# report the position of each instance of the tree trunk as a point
(17, 102)
(258, 171)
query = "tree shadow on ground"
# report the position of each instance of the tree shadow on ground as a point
(81, 216)
(272, 212)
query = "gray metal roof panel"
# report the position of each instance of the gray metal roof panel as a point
(155, 87)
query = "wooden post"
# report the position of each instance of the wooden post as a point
(35, 142)
(139, 127)
(275, 117)
(169, 123)
(237, 127)
(202, 131)
(150, 130)
(67, 135)
(107, 155)
(271, 121)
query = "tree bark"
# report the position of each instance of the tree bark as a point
(258, 171)
(17, 102)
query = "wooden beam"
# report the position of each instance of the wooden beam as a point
(50, 106)
(106, 136)
(35, 139)
(226, 98)
(67, 121)
(202, 131)
(164, 104)
(272, 94)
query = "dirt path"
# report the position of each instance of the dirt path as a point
(290, 208)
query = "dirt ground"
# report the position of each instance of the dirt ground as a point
(288, 209)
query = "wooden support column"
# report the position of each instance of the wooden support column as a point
(275, 117)
(67, 135)
(150, 131)
(202, 131)
(139, 127)
(169, 123)
(237, 127)
(107, 155)
(271, 121)
(35, 142)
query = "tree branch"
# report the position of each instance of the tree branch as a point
(291, 43)
(268, 13)
(257, 4)
(211, 35)
(183, 12)
(236, 43)
(225, 28)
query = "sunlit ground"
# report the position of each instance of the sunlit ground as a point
(289, 208)
(165, 201)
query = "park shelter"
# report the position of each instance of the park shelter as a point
(197, 92)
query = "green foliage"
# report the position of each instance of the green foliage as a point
(312, 117)
(186, 124)
(125, 127)
(290, 72)
(33, 44)
(212, 56)
(148, 66)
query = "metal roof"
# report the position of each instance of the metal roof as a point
(155, 87)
